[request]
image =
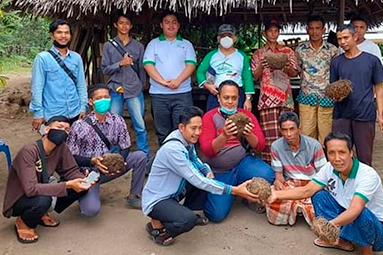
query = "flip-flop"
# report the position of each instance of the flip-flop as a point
(202, 220)
(332, 246)
(42, 223)
(164, 240)
(154, 232)
(21, 240)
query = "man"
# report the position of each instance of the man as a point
(226, 63)
(314, 57)
(175, 164)
(275, 96)
(348, 193)
(57, 91)
(232, 159)
(169, 60)
(356, 114)
(88, 147)
(122, 61)
(27, 196)
(295, 160)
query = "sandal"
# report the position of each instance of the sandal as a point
(318, 242)
(48, 221)
(154, 232)
(24, 231)
(202, 220)
(164, 239)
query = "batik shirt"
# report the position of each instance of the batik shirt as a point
(315, 73)
(275, 84)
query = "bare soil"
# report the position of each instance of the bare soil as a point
(118, 230)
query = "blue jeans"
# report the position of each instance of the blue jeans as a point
(217, 207)
(366, 230)
(136, 111)
(212, 101)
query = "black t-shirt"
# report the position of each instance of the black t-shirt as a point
(364, 71)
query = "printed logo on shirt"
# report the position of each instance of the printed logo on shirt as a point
(39, 166)
(331, 184)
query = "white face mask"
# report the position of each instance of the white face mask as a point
(226, 42)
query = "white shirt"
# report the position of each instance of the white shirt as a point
(369, 47)
(363, 181)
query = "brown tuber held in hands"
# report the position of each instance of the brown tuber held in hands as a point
(114, 162)
(339, 90)
(240, 120)
(260, 187)
(276, 61)
(325, 230)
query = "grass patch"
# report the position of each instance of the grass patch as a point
(14, 66)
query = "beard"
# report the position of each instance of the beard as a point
(60, 46)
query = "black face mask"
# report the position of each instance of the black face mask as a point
(57, 136)
(60, 46)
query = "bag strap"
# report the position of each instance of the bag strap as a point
(122, 52)
(98, 131)
(63, 66)
(43, 163)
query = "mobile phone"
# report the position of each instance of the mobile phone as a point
(92, 176)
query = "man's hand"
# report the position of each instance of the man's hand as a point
(174, 84)
(97, 162)
(278, 184)
(247, 105)
(242, 191)
(264, 64)
(229, 129)
(77, 185)
(126, 61)
(36, 123)
(165, 83)
(273, 197)
(211, 88)
(287, 67)
(210, 175)
(248, 129)
(81, 115)
(380, 121)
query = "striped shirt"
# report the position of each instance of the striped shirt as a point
(300, 165)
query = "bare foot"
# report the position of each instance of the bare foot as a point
(49, 221)
(156, 224)
(25, 233)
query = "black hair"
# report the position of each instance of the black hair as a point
(286, 116)
(59, 22)
(121, 14)
(315, 18)
(343, 27)
(338, 136)
(57, 118)
(227, 83)
(188, 113)
(96, 87)
(359, 18)
(167, 13)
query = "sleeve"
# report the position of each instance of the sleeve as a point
(293, 60)
(190, 54)
(142, 73)
(208, 134)
(24, 165)
(202, 69)
(247, 76)
(37, 87)
(83, 161)
(333, 70)
(377, 72)
(257, 131)
(276, 162)
(378, 53)
(367, 186)
(299, 58)
(321, 178)
(107, 67)
(149, 55)
(179, 163)
(75, 138)
(81, 86)
(122, 134)
(68, 168)
(319, 157)
(202, 167)
(255, 60)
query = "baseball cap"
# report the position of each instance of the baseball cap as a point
(272, 23)
(226, 29)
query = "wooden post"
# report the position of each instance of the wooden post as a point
(342, 6)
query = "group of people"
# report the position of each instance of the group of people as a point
(346, 190)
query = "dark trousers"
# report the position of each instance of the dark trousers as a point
(31, 209)
(178, 218)
(362, 134)
(166, 110)
(212, 101)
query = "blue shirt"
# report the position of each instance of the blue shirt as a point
(53, 91)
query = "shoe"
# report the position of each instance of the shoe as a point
(133, 201)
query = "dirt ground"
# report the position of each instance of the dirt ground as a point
(118, 230)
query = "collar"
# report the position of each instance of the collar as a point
(163, 38)
(354, 169)
(302, 144)
(324, 45)
(108, 118)
(178, 135)
(279, 47)
(55, 50)
(117, 39)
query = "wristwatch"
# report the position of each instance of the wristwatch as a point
(249, 97)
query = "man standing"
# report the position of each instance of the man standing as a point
(28, 195)
(314, 57)
(88, 147)
(177, 167)
(226, 63)
(231, 158)
(58, 81)
(356, 114)
(295, 159)
(346, 192)
(275, 96)
(122, 61)
(170, 61)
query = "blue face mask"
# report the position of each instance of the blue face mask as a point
(101, 106)
(228, 111)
